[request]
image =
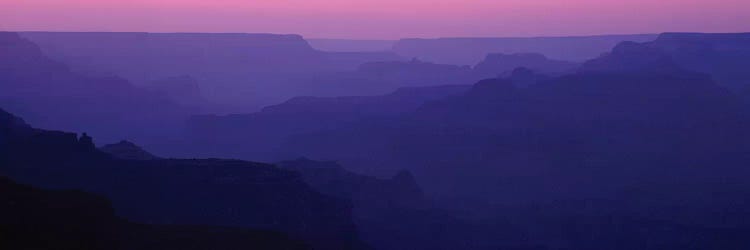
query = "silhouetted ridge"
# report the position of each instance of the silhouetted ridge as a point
(10, 122)
(367, 193)
(193, 192)
(721, 56)
(348, 45)
(632, 57)
(498, 63)
(256, 135)
(127, 151)
(184, 90)
(18, 53)
(703, 41)
(498, 132)
(233, 69)
(471, 50)
(414, 66)
(493, 88)
(523, 77)
(396, 208)
(50, 95)
(31, 218)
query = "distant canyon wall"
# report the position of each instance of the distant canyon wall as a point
(469, 51)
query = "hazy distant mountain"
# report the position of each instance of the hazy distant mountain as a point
(367, 193)
(253, 70)
(126, 150)
(50, 95)
(416, 73)
(641, 147)
(256, 135)
(497, 63)
(189, 192)
(723, 56)
(593, 132)
(396, 208)
(657, 147)
(350, 45)
(469, 51)
(632, 57)
(184, 90)
(346, 61)
(382, 77)
(43, 219)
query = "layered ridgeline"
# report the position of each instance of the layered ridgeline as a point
(633, 127)
(258, 135)
(50, 95)
(723, 56)
(212, 192)
(349, 45)
(189, 192)
(396, 208)
(241, 69)
(33, 218)
(495, 64)
(126, 150)
(469, 51)
(631, 147)
(382, 77)
(111, 108)
(247, 71)
(384, 209)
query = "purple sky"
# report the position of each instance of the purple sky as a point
(380, 19)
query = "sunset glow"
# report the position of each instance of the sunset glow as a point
(381, 19)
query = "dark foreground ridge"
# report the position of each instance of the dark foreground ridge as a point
(32, 218)
(225, 193)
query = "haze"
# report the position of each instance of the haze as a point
(379, 19)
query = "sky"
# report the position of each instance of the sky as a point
(380, 19)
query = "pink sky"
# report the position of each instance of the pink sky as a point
(380, 19)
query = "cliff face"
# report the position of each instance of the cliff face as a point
(196, 192)
(469, 51)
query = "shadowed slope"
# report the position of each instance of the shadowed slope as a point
(196, 192)
(31, 218)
